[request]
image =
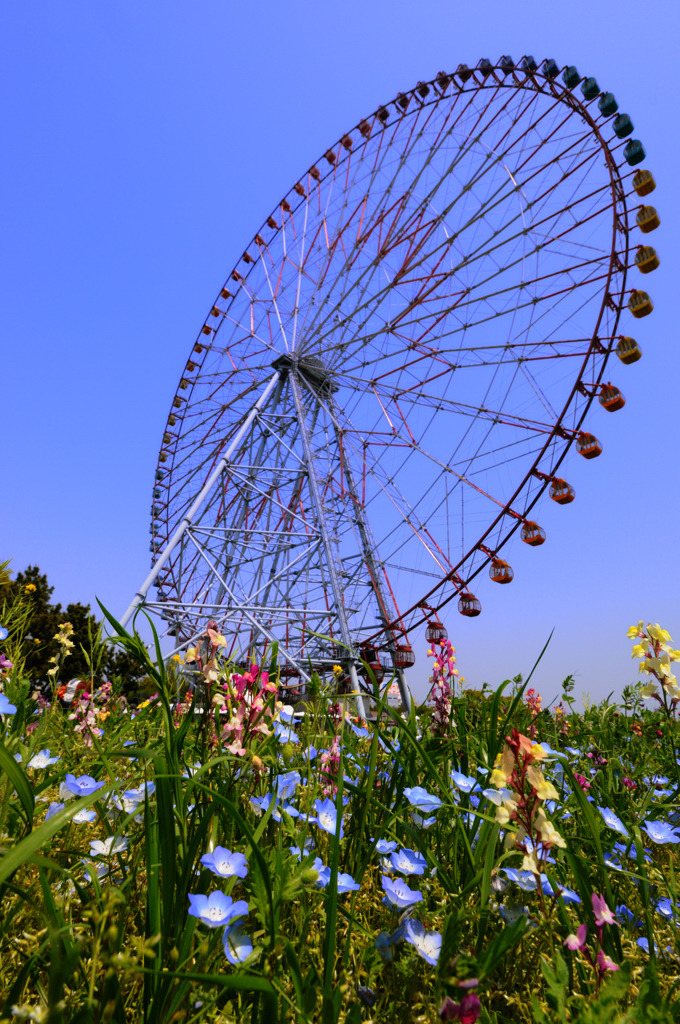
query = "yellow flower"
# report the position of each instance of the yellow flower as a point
(537, 752)
(648, 690)
(337, 670)
(529, 863)
(498, 778)
(544, 789)
(191, 654)
(35, 640)
(635, 630)
(657, 633)
(30, 588)
(639, 651)
(548, 833)
(177, 657)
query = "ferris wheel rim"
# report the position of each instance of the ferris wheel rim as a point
(618, 196)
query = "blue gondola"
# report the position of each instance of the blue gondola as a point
(571, 77)
(634, 152)
(622, 126)
(550, 68)
(589, 88)
(607, 104)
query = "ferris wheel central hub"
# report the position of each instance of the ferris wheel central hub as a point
(310, 369)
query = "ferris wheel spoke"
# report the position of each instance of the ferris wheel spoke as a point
(470, 231)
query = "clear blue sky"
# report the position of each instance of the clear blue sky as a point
(144, 144)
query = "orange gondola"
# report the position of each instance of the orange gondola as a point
(500, 571)
(532, 533)
(403, 656)
(561, 492)
(435, 631)
(469, 605)
(370, 656)
(610, 398)
(588, 446)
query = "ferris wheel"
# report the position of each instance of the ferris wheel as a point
(396, 367)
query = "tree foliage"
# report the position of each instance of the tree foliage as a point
(28, 599)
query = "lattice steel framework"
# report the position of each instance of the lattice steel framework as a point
(394, 371)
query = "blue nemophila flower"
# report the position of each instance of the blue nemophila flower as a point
(367, 995)
(327, 816)
(83, 817)
(323, 872)
(53, 809)
(526, 880)
(108, 847)
(511, 912)
(285, 733)
(308, 847)
(385, 943)
(420, 798)
(497, 796)
(217, 909)
(84, 785)
(132, 798)
(568, 895)
(427, 943)
(5, 707)
(643, 943)
(612, 820)
(408, 862)
(465, 783)
(612, 863)
(358, 730)
(286, 784)
(660, 832)
(261, 805)
(398, 894)
(237, 946)
(421, 822)
(42, 759)
(4, 633)
(385, 846)
(666, 909)
(346, 883)
(224, 863)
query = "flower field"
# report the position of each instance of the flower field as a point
(213, 853)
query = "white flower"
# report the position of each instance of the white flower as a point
(108, 847)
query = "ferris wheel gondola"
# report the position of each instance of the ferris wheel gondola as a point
(396, 368)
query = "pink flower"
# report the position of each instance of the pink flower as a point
(603, 915)
(577, 941)
(605, 963)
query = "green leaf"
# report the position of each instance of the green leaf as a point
(18, 779)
